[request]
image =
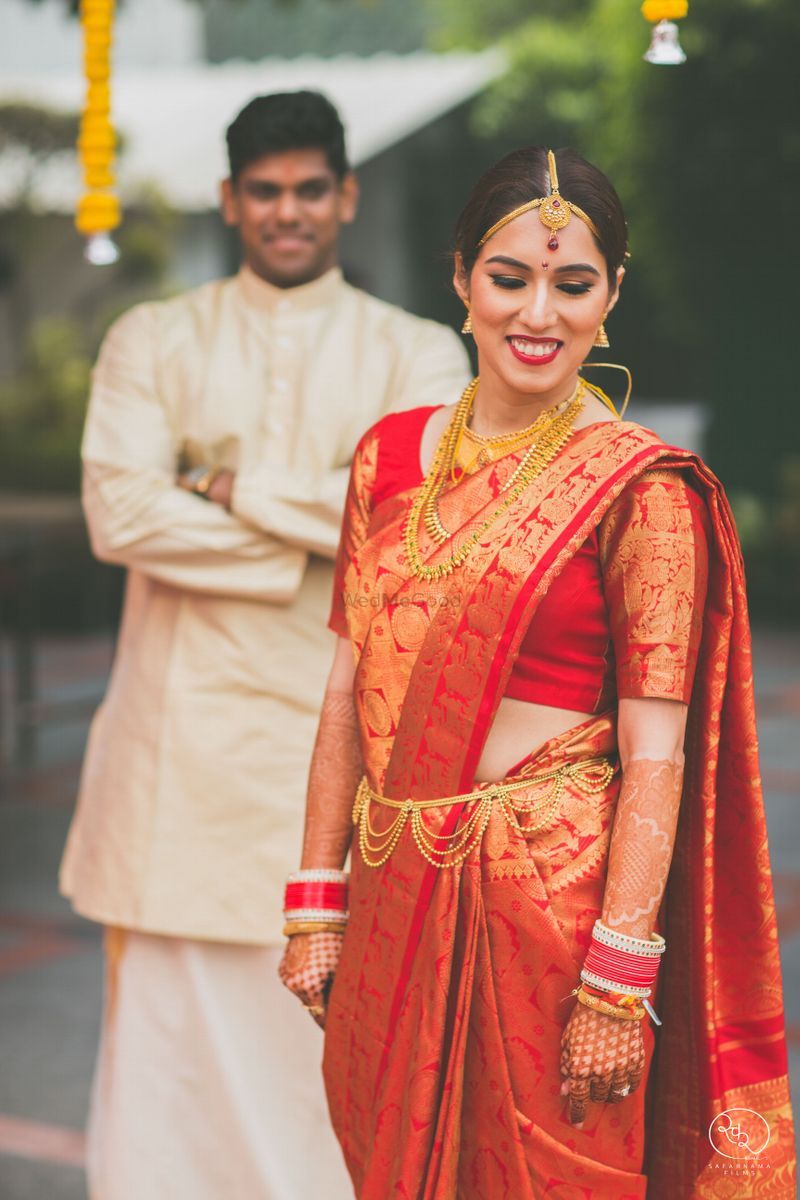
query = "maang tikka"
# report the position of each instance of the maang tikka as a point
(555, 212)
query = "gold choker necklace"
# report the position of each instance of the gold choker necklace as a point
(549, 433)
(486, 449)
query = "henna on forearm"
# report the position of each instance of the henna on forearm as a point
(336, 769)
(642, 841)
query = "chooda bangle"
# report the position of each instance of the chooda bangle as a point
(315, 901)
(620, 964)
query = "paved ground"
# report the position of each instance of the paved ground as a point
(50, 962)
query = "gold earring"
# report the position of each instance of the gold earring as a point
(601, 337)
(467, 326)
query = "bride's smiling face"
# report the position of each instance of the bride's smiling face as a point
(535, 311)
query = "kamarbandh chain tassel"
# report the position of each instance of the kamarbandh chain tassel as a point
(448, 850)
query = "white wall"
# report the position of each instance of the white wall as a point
(44, 37)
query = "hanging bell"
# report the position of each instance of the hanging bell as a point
(101, 250)
(665, 49)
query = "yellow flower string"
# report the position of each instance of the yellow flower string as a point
(98, 208)
(664, 10)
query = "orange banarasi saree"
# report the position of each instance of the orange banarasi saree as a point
(444, 1024)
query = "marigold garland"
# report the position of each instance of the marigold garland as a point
(664, 10)
(98, 209)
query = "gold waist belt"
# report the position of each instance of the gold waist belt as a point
(447, 850)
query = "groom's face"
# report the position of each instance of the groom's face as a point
(289, 209)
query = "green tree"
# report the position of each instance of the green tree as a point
(707, 159)
(42, 409)
(30, 137)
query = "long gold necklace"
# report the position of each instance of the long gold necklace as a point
(554, 428)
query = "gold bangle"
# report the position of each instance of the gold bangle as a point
(610, 1010)
(293, 927)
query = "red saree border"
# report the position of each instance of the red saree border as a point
(733, 1042)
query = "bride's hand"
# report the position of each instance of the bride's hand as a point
(307, 969)
(602, 1059)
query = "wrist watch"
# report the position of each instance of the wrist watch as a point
(201, 478)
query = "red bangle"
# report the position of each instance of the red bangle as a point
(624, 968)
(315, 895)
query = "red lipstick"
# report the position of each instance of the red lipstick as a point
(535, 360)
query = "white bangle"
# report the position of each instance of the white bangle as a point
(316, 914)
(651, 947)
(319, 875)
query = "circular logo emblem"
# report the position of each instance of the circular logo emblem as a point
(739, 1133)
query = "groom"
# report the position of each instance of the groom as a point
(215, 456)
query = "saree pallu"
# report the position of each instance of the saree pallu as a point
(444, 1026)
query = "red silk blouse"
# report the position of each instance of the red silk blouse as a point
(624, 616)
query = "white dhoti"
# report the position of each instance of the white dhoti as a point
(208, 1083)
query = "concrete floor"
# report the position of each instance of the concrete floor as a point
(51, 963)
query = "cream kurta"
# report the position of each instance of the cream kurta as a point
(191, 804)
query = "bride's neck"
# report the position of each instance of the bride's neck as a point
(497, 411)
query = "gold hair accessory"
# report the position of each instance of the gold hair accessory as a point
(555, 212)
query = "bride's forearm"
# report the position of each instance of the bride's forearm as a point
(651, 734)
(642, 841)
(336, 769)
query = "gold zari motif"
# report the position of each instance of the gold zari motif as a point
(447, 850)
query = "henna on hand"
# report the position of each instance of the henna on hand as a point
(336, 770)
(308, 967)
(642, 841)
(602, 1059)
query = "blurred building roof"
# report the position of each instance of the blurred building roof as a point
(173, 119)
(255, 29)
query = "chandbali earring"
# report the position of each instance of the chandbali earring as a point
(467, 326)
(601, 337)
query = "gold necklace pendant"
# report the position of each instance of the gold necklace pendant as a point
(452, 439)
(555, 433)
(501, 441)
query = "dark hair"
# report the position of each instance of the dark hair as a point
(523, 175)
(286, 121)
